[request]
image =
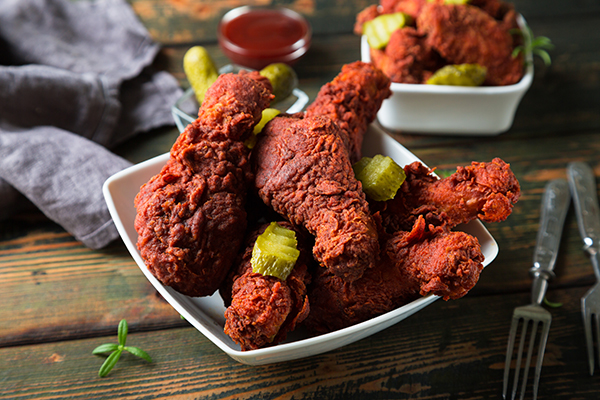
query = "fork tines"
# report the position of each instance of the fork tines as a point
(536, 320)
(591, 323)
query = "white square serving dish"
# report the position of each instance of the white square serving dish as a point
(455, 110)
(206, 313)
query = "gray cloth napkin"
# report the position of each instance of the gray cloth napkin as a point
(75, 80)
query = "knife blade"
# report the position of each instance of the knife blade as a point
(583, 189)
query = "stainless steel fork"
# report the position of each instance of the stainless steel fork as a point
(583, 188)
(555, 204)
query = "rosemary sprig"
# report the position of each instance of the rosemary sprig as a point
(551, 304)
(536, 45)
(117, 349)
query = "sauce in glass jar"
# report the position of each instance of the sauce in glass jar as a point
(258, 36)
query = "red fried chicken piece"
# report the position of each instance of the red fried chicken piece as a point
(467, 34)
(495, 8)
(304, 173)
(262, 310)
(410, 7)
(352, 99)
(482, 190)
(190, 217)
(413, 264)
(408, 57)
(369, 13)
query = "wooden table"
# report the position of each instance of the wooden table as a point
(59, 300)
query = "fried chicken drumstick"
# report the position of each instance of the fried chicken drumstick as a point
(303, 172)
(190, 217)
(467, 34)
(412, 264)
(484, 190)
(352, 100)
(304, 168)
(262, 310)
(441, 33)
(420, 255)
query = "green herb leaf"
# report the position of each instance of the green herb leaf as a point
(444, 173)
(536, 46)
(136, 351)
(105, 348)
(117, 350)
(109, 363)
(550, 304)
(543, 54)
(122, 332)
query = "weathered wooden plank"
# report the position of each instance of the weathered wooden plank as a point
(422, 357)
(106, 285)
(55, 288)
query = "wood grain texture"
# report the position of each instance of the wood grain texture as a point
(423, 357)
(173, 22)
(60, 300)
(54, 288)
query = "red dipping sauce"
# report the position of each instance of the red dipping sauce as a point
(256, 37)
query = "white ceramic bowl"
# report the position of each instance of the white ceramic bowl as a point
(206, 313)
(456, 110)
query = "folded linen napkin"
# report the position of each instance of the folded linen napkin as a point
(75, 80)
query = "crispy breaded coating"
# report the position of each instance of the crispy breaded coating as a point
(262, 310)
(484, 190)
(442, 34)
(190, 217)
(465, 34)
(408, 57)
(410, 7)
(304, 173)
(369, 13)
(352, 100)
(413, 264)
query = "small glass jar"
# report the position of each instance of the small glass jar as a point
(255, 36)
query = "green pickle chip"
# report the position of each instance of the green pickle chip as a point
(380, 176)
(275, 252)
(267, 115)
(200, 70)
(379, 30)
(283, 79)
(459, 75)
(456, 1)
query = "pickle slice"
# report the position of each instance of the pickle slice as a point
(267, 115)
(457, 2)
(459, 75)
(200, 70)
(283, 79)
(275, 252)
(380, 176)
(379, 29)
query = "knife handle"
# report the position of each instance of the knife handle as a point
(555, 204)
(583, 188)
